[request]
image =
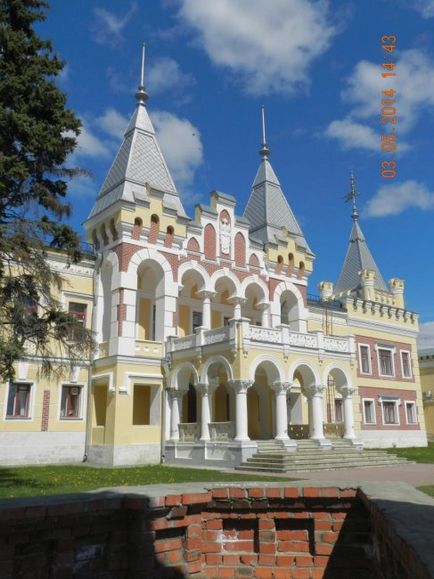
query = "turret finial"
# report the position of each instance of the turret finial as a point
(352, 195)
(141, 94)
(264, 151)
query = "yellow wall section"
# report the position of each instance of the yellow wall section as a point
(144, 329)
(141, 405)
(184, 320)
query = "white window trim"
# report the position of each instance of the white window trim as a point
(397, 402)
(31, 416)
(413, 403)
(369, 359)
(409, 363)
(374, 410)
(82, 406)
(392, 350)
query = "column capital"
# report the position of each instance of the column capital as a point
(240, 386)
(175, 393)
(314, 390)
(206, 294)
(347, 391)
(280, 387)
(206, 388)
(237, 300)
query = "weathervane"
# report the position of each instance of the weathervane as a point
(264, 150)
(352, 195)
(141, 94)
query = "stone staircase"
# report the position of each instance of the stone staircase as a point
(273, 457)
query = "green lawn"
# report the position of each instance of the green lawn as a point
(28, 481)
(418, 454)
(429, 490)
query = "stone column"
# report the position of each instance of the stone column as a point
(347, 395)
(237, 302)
(315, 396)
(206, 308)
(281, 390)
(265, 315)
(206, 391)
(176, 396)
(240, 387)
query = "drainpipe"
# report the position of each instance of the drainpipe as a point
(91, 360)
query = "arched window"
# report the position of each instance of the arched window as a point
(168, 240)
(137, 228)
(209, 242)
(155, 228)
(113, 230)
(290, 262)
(301, 269)
(279, 263)
(240, 250)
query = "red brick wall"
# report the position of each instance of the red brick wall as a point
(304, 533)
(373, 393)
(372, 342)
(240, 250)
(209, 239)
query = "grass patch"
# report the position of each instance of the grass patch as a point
(423, 454)
(429, 490)
(31, 481)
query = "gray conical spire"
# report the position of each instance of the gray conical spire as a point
(268, 209)
(139, 162)
(358, 256)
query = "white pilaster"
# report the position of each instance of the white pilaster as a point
(206, 308)
(281, 390)
(240, 387)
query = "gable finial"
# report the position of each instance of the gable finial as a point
(141, 94)
(264, 151)
(352, 195)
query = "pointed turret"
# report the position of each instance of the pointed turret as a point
(267, 208)
(358, 257)
(139, 163)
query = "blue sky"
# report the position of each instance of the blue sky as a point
(316, 65)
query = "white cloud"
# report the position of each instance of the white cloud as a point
(181, 144)
(426, 336)
(112, 122)
(414, 85)
(83, 186)
(164, 74)
(425, 7)
(108, 27)
(89, 145)
(352, 135)
(392, 199)
(269, 46)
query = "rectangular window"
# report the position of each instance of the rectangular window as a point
(365, 359)
(18, 405)
(405, 363)
(339, 410)
(226, 322)
(196, 320)
(385, 357)
(390, 413)
(369, 412)
(70, 401)
(79, 311)
(410, 411)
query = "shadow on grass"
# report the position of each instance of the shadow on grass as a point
(12, 478)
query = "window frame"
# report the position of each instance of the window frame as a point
(83, 318)
(396, 402)
(374, 411)
(30, 403)
(81, 402)
(392, 351)
(360, 346)
(410, 375)
(416, 418)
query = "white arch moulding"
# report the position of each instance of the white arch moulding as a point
(226, 273)
(260, 360)
(213, 360)
(193, 265)
(255, 280)
(297, 364)
(327, 371)
(185, 366)
(275, 304)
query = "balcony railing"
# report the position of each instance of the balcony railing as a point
(281, 337)
(189, 431)
(149, 349)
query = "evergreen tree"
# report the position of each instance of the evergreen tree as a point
(37, 134)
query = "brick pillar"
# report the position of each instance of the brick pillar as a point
(45, 411)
